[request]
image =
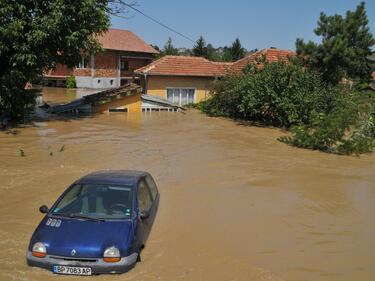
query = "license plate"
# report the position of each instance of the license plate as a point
(71, 270)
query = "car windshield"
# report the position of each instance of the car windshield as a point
(96, 201)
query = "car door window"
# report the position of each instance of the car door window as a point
(144, 197)
(153, 189)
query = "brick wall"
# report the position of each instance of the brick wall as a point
(133, 65)
(84, 71)
(61, 70)
(106, 64)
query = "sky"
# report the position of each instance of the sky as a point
(258, 24)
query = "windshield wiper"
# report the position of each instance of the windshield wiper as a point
(78, 216)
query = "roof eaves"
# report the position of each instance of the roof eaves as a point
(181, 74)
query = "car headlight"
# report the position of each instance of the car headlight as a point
(39, 250)
(111, 254)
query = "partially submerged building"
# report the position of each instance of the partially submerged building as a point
(168, 83)
(181, 79)
(123, 53)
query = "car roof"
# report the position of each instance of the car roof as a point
(120, 177)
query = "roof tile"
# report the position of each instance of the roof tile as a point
(124, 40)
(270, 55)
(185, 66)
(198, 66)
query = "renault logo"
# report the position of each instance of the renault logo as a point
(73, 252)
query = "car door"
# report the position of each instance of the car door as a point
(154, 195)
(145, 203)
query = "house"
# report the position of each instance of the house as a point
(123, 53)
(168, 83)
(268, 55)
(183, 80)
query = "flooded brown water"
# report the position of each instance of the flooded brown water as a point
(236, 204)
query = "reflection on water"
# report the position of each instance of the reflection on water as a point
(235, 203)
(61, 95)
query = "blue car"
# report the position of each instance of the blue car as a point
(98, 225)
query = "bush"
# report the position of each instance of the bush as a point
(281, 94)
(71, 82)
(345, 131)
(323, 117)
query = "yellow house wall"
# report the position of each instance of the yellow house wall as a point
(132, 103)
(157, 85)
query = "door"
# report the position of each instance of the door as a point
(146, 211)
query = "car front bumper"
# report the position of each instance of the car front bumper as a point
(98, 266)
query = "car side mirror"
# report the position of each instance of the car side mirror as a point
(144, 215)
(43, 209)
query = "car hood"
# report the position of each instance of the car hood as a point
(87, 238)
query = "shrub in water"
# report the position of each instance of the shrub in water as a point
(71, 82)
(323, 117)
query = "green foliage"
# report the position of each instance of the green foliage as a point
(324, 117)
(22, 152)
(347, 130)
(346, 44)
(200, 48)
(36, 35)
(234, 52)
(169, 49)
(15, 101)
(237, 52)
(280, 94)
(211, 53)
(71, 82)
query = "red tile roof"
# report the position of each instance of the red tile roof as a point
(124, 40)
(373, 75)
(270, 55)
(184, 66)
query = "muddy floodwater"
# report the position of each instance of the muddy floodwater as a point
(236, 204)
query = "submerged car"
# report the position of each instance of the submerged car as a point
(98, 225)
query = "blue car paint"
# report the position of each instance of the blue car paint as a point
(83, 236)
(90, 238)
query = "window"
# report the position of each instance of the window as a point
(124, 65)
(83, 62)
(151, 184)
(144, 197)
(100, 201)
(180, 96)
(118, 110)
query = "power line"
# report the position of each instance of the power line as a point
(158, 22)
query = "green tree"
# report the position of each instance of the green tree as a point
(346, 44)
(331, 118)
(280, 94)
(226, 56)
(236, 50)
(169, 49)
(200, 48)
(36, 35)
(211, 53)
